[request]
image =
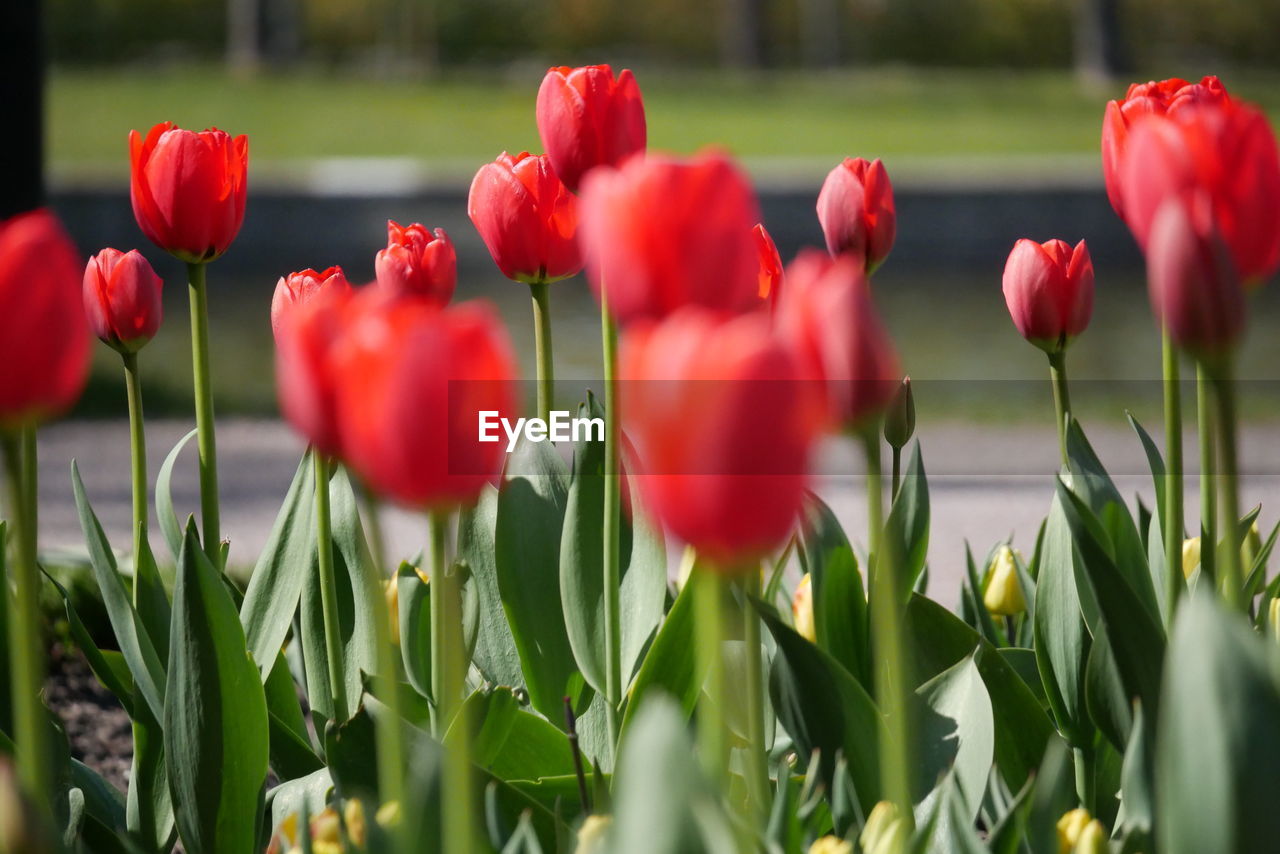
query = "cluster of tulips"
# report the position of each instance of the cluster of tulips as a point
(536, 679)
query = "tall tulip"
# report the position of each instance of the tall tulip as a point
(122, 299)
(298, 289)
(770, 277)
(306, 332)
(856, 211)
(418, 261)
(589, 118)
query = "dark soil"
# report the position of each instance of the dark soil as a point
(96, 724)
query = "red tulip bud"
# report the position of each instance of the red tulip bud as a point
(1049, 291)
(122, 299)
(855, 208)
(297, 288)
(770, 266)
(587, 118)
(188, 189)
(418, 261)
(307, 323)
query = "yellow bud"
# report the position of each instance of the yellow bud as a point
(592, 834)
(389, 814)
(802, 609)
(353, 813)
(831, 845)
(326, 847)
(1070, 828)
(1002, 594)
(1093, 840)
(1190, 556)
(885, 832)
(1250, 547)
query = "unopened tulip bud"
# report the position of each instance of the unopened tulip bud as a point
(389, 815)
(419, 262)
(856, 211)
(1048, 288)
(1093, 840)
(831, 845)
(1250, 548)
(802, 609)
(885, 832)
(1190, 556)
(1002, 593)
(122, 299)
(587, 117)
(300, 288)
(1070, 828)
(592, 834)
(900, 417)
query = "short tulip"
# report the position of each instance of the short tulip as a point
(856, 211)
(1048, 288)
(44, 336)
(1190, 556)
(418, 261)
(122, 299)
(188, 189)
(527, 218)
(900, 417)
(589, 118)
(663, 233)
(802, 609)
(1071, 827)
(1002, 592)
(770, 266)
(305, 334)
(885, 831)
(298, 288)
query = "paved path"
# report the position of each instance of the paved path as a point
(985, 483)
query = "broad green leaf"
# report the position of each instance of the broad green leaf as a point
(118, 684)
(1154, 461)
(215, 716)
(292, 755)
(495, 654)
(1138, 779)
(984, 622)
(907, 529)
(955, 818)
(1105, 693)
(1054, 794)
(149, 805)
(289, 797)
(151, 600)
(413, 598)
(510, 742)
(670, 666)
(169, 525)
(839, 601)
(959, 700)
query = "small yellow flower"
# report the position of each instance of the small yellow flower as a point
(1070, 828)
(885, 832)
(1190, 556)
(802, 609)
(592, 834)
(1093, 840)
(1002, 593)
(389, 814)
(831, 845)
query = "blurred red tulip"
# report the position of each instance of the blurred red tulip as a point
(527, 218)
(587, 118)
(1048, 288)
(1166, 97)
(418, 261)
(188, 189)
(307, 328)
(44, 336)
(722, 428)
(770, 266)
(826, 316)
(1194, 290)
(855, 208)
(297, 288)
(663, 233)
(122, 299)
(1226, 150)
(411, 380)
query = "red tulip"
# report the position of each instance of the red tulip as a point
(527, 218)
(827, 318)
(188, 189)
(587, 118)
(1194, 289)
(122, 299)
(855, 209)
(297, 288)
(44, 341)
(411, 380)
(1226, 150)
(306, 329)
(723, 430)
(770, 266)
(417, 261)
(1048, 288)
(662, 233)
(1167, 97)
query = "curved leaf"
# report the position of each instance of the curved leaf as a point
(169, 525)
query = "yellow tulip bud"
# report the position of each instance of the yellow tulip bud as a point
(388, 814)
(1093, 840)
(1070, 827)
(1190, 556)
(885, 832)
(1250, 547)
(831, 845)
(325, 847)
(802, 609)
(1002, 593)
(353, 813)
(591, 835)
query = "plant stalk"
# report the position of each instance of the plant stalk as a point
(612, 581)
(710, 634)
(138, 461)
(1172, 523)
(1085, 786)
(756, 760)
(1229, 492)
(205, 434)
(896, 483)
(329, 592)
(542, 348)
(1061, 397)
(1208, 475)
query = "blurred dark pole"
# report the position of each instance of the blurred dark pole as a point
(1099, 40)
(244, 37)
(22, 94)
(820, 33)
(742, 33)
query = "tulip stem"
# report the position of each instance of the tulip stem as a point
(888, 640)
(1172, 524)
(205, 436)
(1228, 488)
(1086, 789)
(1208, 468)
(757, 761)
(896, 454)
(542, 348)
(1061, 397)
(329, 591)
(138, 460)
(710, 634)
(26, 647)
(612, 583)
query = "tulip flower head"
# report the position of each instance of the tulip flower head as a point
(770, 266)
(1002, 592)
(526, 217)
(305, 332)
(589, 118)
(900, 417)
(418, 261)
(662, 233)
(1048, 288)
(297, 288)
(44, 340)
(831, 845)
(802, 609)
(188, 189)
(856, 211)
(122, 299)
(885, 831)
(593, 834)
(1070, 828)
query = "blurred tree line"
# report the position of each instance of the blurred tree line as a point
(1095, 35)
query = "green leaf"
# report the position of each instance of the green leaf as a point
(215, 717)
(413, 597)
(152, 602)
(169, 524)
(907, 529)
(839, 602)
(292, 755)
(511, 743)
(289, 797)
(1138, 779)
(1154, 461)
(984, 621)
(965, 744)
(1054, 794)
(1105, 693)
(495, 654)
(670, 667)
(113, 681)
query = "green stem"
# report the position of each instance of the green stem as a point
(612, 580)
(205, 437)
(1172, 523)
(329, 592)
(26, 647)
(1085, 786)
(1228, 489)
(373, 523)
(896, 454)
(389, 735)
(1061, 397)
(710, 634)
(138, 459)
(542, 347)
(1208, 471)
(888, 641)
(756, 759)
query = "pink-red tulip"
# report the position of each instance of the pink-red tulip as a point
(418, 261)
(827, 318)
(122, 299)
(723, 429)
(1048, 288)
(770, 266)
(589, 118)
(306, 333)
(527, 218)
(855, 209)
(1226, 150)
(411, 380)
(44, 336)
(662, 233)
(298, 288)
(1166, 97)
(188, 189)
(1195, 292)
